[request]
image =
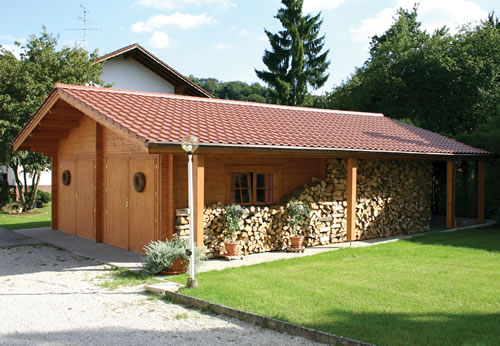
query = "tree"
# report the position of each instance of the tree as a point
(234, 90)
(295, 61)
(24, 86)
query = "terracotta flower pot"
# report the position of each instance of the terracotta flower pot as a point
(179, 266)
(296, 241)
(232, 248)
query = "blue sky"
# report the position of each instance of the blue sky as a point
(223, 39)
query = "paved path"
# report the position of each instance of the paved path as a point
(49, 296)
(10, 238)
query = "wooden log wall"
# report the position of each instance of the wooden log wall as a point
(393, 197)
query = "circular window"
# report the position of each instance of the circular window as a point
(139, 181)
(66, 177)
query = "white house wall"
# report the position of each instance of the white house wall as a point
(45, 178)
(129, 74)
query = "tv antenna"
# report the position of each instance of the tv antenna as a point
(85, 28)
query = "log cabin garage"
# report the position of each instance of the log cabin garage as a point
(120, 175)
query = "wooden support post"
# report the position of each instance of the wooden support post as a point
(322, 168)
(167, 211)
(352, 171)
(99, 186)
(55, 192)
(170, 198)
(450, 195)
(480, 191)
(199, 198)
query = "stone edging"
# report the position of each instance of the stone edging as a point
(262, 321)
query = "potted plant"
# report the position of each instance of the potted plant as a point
(169, 257)
(232, 219)
(297, 212)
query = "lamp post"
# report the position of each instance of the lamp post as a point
(190, 144)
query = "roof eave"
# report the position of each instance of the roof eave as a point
(204, 147)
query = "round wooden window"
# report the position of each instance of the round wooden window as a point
(66, 177)
(139, 181)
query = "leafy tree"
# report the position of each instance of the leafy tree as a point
(234, 90)
(24, 86)
(436, 81)
(295, 61)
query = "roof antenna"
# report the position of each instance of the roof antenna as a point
(85, 28)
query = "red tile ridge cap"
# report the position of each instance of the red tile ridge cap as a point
(212, 100)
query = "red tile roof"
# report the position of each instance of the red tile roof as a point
(164, 119)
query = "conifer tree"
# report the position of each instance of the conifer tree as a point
(295, 61)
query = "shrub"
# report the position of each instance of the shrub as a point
(162, 254)
(297, 212)
(232, 219)
(43, 196)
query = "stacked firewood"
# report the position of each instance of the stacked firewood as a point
(393, 198)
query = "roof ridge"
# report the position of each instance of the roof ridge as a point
(213, 100)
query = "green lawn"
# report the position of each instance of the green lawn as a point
(35, 218)
(440, 289)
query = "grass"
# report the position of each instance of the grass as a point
(33, 219)
(439, 289)
(124, 277)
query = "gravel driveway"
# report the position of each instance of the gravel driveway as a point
(51, 297)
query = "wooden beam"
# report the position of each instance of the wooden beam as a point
(480, 191)
(283, 152)
(180, 89)
(99, 185)
(55, 192)
(199, 198)
(59, 124)
(450, 195)
(352, 172)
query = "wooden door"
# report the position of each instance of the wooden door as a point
(84, 198)
(67, 202)
(142, 205)
(117, 184)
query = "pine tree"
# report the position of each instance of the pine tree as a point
(295, 61)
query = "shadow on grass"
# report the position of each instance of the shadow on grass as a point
(35, 224)
(415, 329)
(481, 239)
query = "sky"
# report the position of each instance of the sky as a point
(223, 39)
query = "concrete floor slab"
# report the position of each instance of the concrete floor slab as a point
(85, 247)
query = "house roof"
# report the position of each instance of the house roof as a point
(164, 119)
(143, 56)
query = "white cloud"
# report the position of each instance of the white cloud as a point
(176, 4)
(181, 20)
(432, 14)
(223, 46)
(243, 33)
(159, 40)
(321, 5)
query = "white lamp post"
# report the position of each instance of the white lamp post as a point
(190, 144)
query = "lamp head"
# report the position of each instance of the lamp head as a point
(190, 143)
